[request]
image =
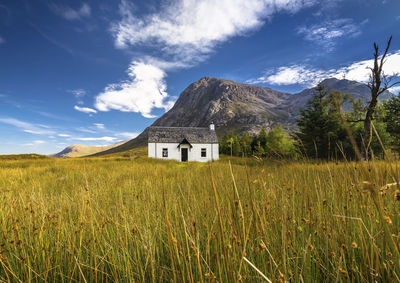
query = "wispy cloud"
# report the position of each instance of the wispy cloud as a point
(64, 135)
(85, 109)
(51, 40)
(309, 76)
(106, 139)
(127, 135)
(79, 94)
(2, 40)
(327, 33)
(181, 35)
(86, 130)
(36, 129)
(34, 143)
(53, 116)
(395, 89)
(71, 14)
(99, 126)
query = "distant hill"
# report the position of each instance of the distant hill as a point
(239, 107)
(83, 150)
(22, 156)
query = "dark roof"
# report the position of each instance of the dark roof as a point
(177, 134)
(185, 141)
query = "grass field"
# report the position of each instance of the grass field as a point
(133, 219)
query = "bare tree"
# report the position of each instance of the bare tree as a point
(379, 83)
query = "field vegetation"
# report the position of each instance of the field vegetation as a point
(128, 218)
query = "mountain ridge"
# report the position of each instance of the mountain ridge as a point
(77, 150)
(239, 107)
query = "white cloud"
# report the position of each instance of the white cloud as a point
(185, 32)
(99, 126)
(71, 14)
(326, 33)
(36, 129)
(84, 109)
(145, 90)
(2, 40)
(34, 143)
(192, 28)
(64, 135)
(79, 94)
(106, 139)
(127, 135)
(85, 130)
(294, 74)
(395, 89)
(310, 76)
(38, 132)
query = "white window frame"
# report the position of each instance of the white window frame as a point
(165, 152)
(205, 152)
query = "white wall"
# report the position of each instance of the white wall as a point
(174, 153)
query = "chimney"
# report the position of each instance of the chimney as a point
(212, 126)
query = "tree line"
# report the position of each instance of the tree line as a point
(324, 131)
(333, 125)
(273, 144)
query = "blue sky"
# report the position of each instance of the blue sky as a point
(97, 72)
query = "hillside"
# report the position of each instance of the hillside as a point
(22, 156)
(234, 106)
(83, 150)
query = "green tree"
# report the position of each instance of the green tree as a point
(262, 138)
(392, 120)
(279, 145)
(225, 145)
(376, 149)
(320, 126)
(258, 149)
(378, 84)
(236, 146)
(246, 144)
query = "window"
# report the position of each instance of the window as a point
(203, 152)
(165, 152)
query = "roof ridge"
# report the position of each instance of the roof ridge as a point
(179, 127)
(176, 134)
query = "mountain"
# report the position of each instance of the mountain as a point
(229, 105)
(83, 150)
(234, 106)
(356, 89)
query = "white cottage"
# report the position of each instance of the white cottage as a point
(183, 143)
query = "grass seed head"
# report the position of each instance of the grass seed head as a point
(387, 219)
(367, 187)
(397, 195)
(342, 271)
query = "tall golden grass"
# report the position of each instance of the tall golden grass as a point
(123, 219)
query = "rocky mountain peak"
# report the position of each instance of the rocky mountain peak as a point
(234, 106)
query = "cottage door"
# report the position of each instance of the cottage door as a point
(184, 154)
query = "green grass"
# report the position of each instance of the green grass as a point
(22, 156)
(127, 218)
